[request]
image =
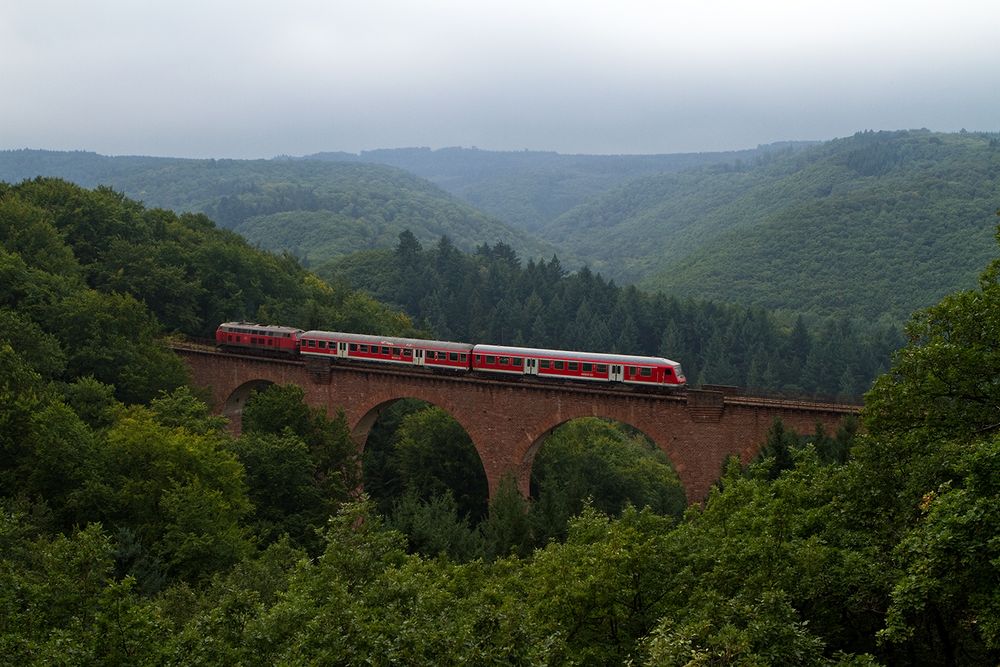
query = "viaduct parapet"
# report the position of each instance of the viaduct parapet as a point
(508, 420)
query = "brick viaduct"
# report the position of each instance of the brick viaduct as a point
(508, 420)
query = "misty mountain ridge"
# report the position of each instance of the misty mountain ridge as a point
(316, 210)
(875, 225)
(529, 189)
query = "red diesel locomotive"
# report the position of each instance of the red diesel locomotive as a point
(454, 357)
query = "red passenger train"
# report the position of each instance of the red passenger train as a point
(454, 357)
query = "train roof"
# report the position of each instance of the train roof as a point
(390, 340)
(259, 327)
(595, 357)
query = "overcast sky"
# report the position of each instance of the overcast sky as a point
(201, 78)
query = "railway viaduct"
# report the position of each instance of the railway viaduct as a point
(508, 420)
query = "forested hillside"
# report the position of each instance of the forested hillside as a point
(135, 531)
(867, 227)
(315, 210)
(491, 297)
(874, 226)
(529, 189)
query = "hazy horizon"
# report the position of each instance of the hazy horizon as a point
(205, 80)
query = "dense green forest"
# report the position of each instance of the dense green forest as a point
(315, 210)
(134, 530)
(491, 297)
(529, 189)
(870, 227)
(875, 226)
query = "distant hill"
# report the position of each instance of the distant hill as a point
(875, 225)
(314, 209)
(529, 189)
(872, 226)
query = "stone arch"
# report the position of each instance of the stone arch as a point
(527, 458)
(369, 415)
(361, 431)
(232, 409)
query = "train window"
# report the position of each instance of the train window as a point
(465, 357)
(518, 361)
(385, 349)
(573, 366)
(545, 363)
(431, 354)
(322, 345)
(602, 368)
(558, 365)
(630, 370)
(407, 353)
(588, 368)
(504, 361)
(646, 372)
(453, 356)
(363, 347)
(490, 359)
(396, 351)
(479, 358)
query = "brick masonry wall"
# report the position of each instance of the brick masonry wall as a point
(508, 420)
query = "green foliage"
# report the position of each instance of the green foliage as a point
(301, 463)
(179, 493)
(591, 460)
(315, 210)
(435, 526)
(601, 591)
(433, 454)
(946, 379)
(949, 588)
(531, 188)
(125, 531)
(507, 529)
(799, 232)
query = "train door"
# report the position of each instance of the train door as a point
(616, 374)
(418, 357)
(531, 366)
(342, 350)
